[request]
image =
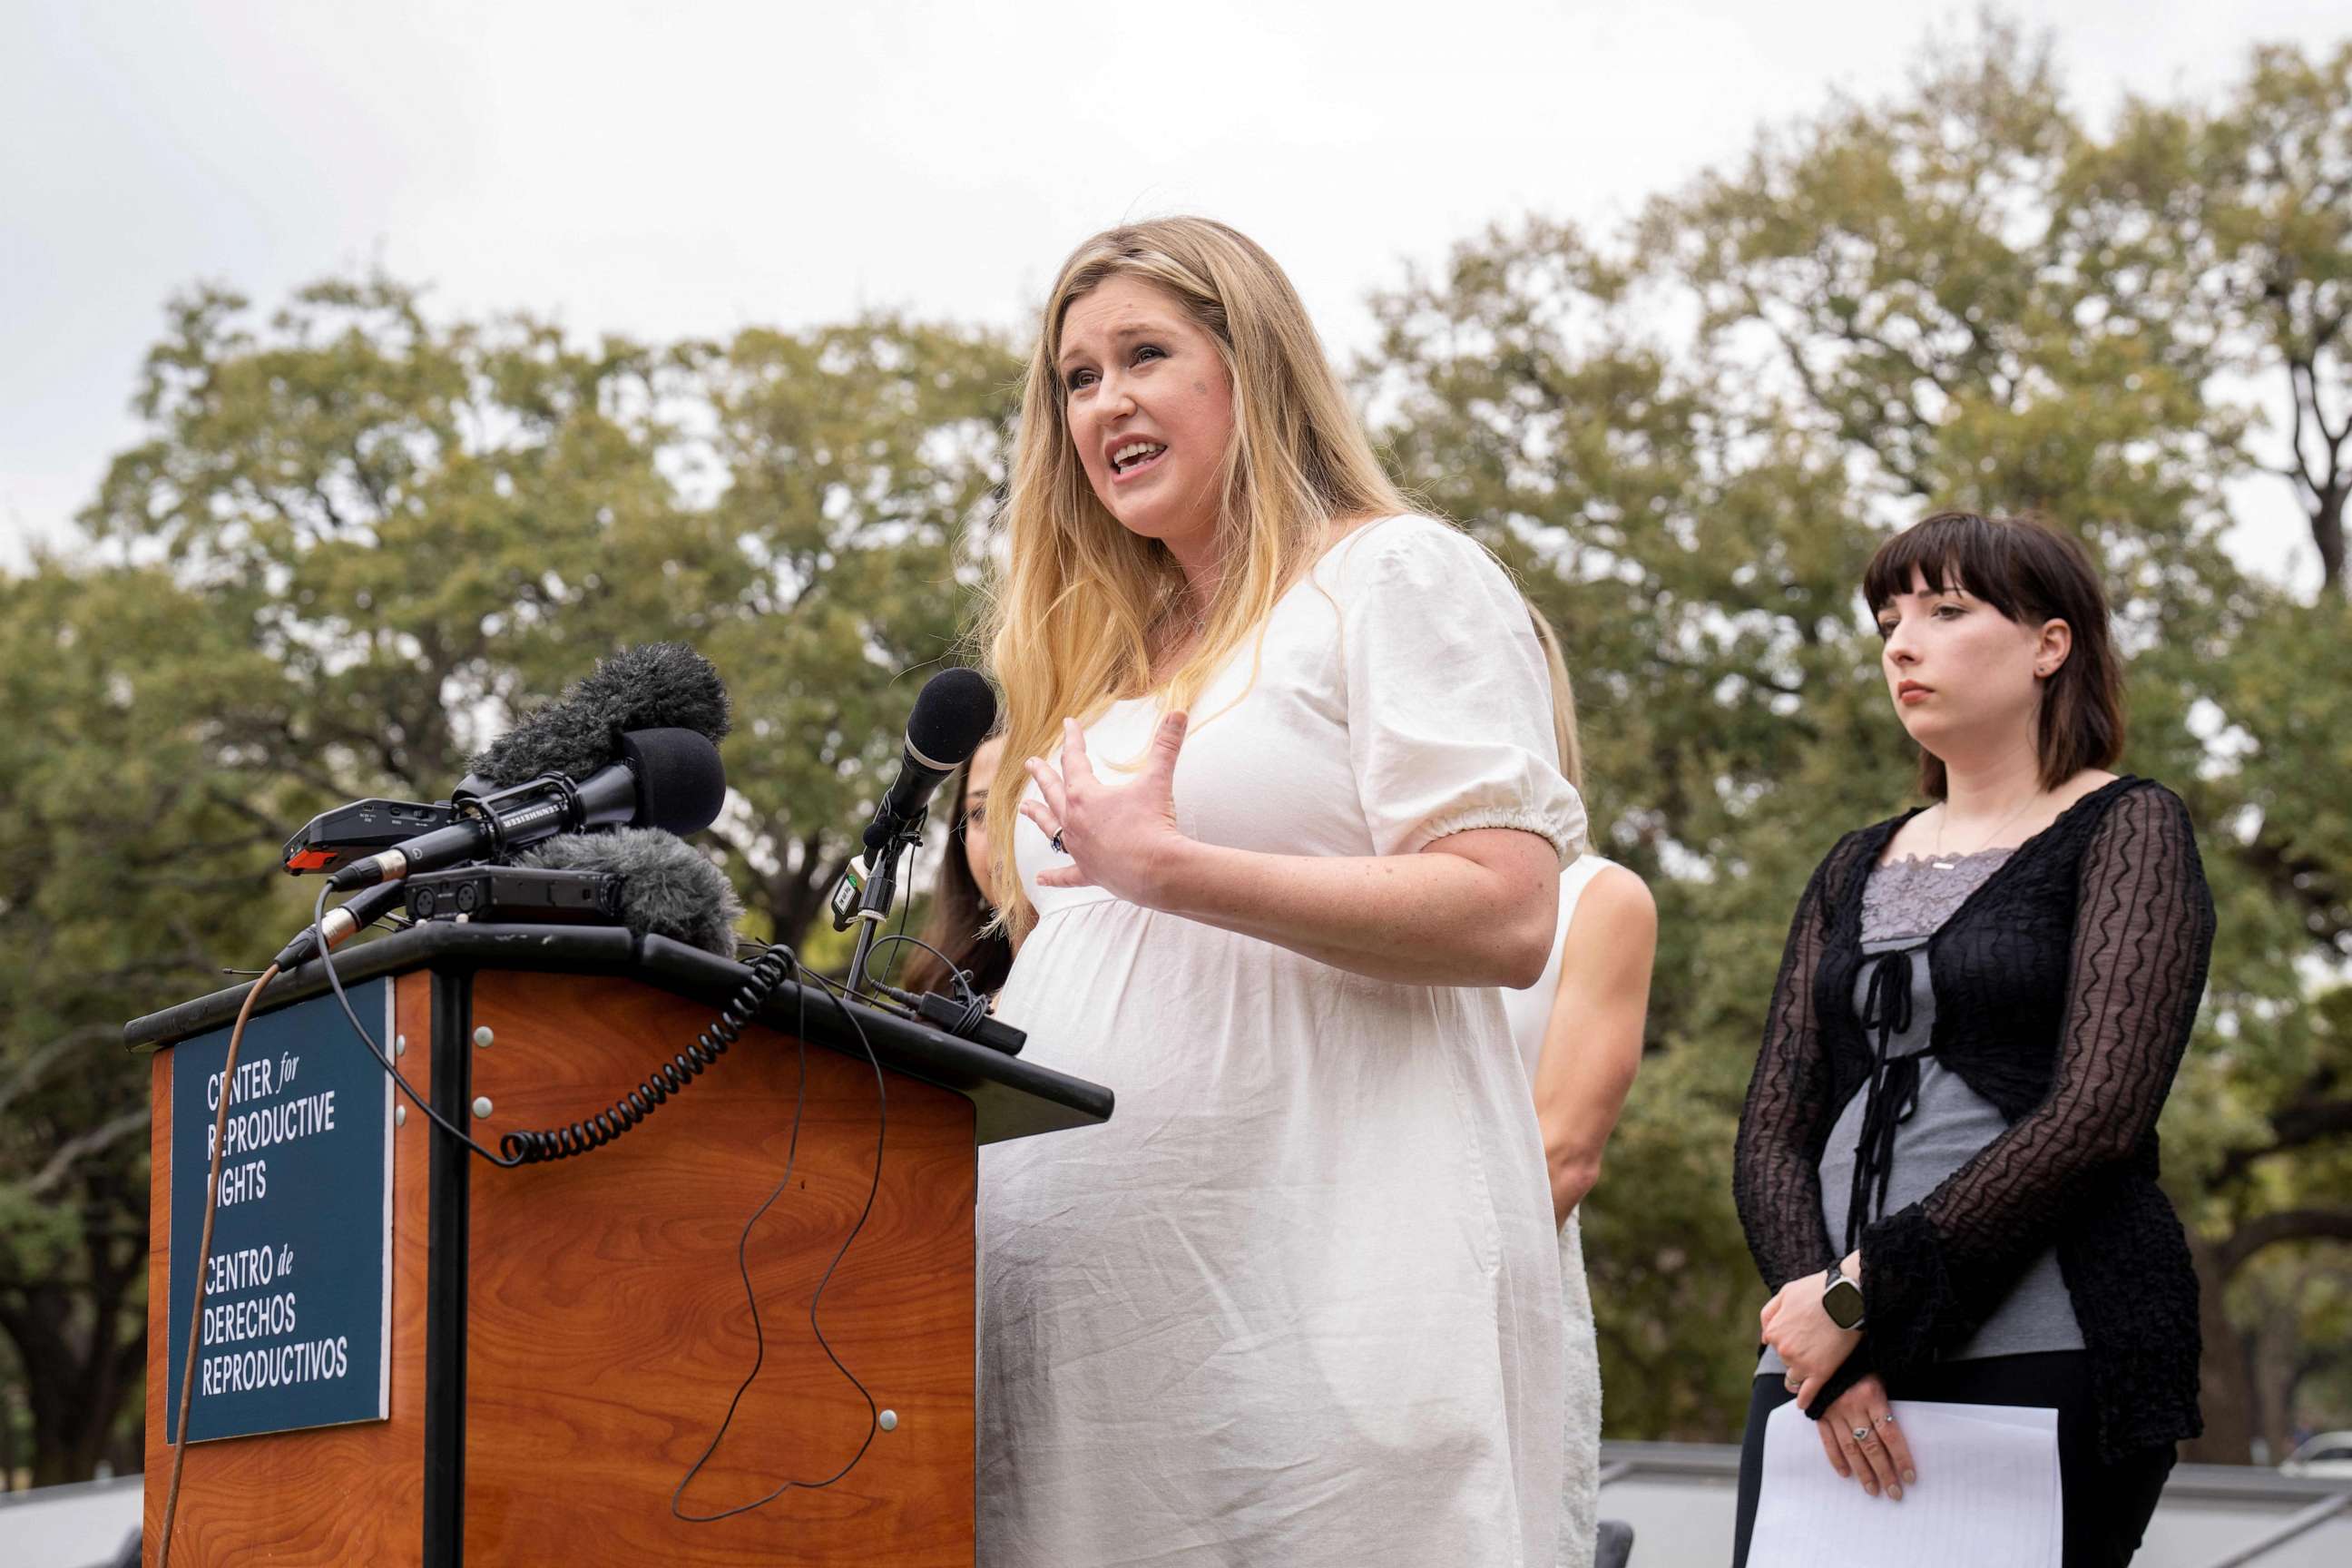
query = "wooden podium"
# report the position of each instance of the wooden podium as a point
(565, 1338)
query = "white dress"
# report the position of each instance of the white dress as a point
(1579, 1514)
(1296, 1302)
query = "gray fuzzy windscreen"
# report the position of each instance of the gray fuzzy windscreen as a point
(668, 887)
(654, 686)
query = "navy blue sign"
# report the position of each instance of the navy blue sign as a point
(298, 1300)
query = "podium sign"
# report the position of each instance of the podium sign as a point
(298, 1304)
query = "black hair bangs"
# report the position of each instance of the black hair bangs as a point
(1951, 551)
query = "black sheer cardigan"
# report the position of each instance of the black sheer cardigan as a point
(2065, 989)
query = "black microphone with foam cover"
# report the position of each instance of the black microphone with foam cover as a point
(669, 779)
(953, 714)
(653, 686)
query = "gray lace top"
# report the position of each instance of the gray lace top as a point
(1923, 1141)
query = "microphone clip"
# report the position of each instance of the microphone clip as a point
(531, 805)
(866, 890)
(877, 892)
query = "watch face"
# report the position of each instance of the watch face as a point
(1842, 1302)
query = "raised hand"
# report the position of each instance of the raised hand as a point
(1120, 837)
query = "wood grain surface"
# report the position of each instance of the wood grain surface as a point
(608, 1321)
(335, 1495)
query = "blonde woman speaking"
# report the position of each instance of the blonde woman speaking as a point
(1292, 815)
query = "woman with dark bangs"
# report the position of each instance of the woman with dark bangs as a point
(960, 932)
(1946, 1167)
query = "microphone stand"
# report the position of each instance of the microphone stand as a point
(881, 890)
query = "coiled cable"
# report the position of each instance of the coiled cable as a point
(529, 1148)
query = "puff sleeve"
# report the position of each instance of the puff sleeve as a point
(1449, 702)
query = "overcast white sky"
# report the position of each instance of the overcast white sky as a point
(691, 168)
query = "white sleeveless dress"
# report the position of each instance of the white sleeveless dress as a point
(1530, 1013)
(1297, 1301)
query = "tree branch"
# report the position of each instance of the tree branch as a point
(96, 1141)
(27, 1073)
(368, 483)
(2304, 881)
(2283, 1225)
(2294, 1125)
(2296, 371)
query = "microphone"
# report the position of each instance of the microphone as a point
(670, 779)
(654, 686)
(668, 887)
(953, 714)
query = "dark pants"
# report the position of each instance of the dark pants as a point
(2107, 1505)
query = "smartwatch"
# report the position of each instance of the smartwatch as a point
(1841, 1298)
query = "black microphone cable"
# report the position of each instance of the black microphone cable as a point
(335, 983)
(968, 995)
(743, 1266)
(518, 1149)
(742, 1263)
(897, 934)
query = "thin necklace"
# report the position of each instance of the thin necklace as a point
(1197, 608)
(1940, 864)
(1193, 623)
(1195, 619)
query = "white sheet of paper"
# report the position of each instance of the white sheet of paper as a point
(1987, 1492)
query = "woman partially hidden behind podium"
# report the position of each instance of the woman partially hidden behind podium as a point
(962, 935)
(1291, 815)
(1947, 1162)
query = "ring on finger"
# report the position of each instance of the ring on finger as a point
(1861, 1435)
(1057, 842)
(1885, 1420)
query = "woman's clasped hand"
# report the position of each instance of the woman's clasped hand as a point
(1795, 1323)
(1858, 1431)
(1866, 1443)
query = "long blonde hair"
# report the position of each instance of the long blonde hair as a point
(1563, 701)
(1069, 627)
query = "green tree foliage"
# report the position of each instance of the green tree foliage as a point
(367, 542)
(133, 862)
(430, 527)
(1690, 440)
